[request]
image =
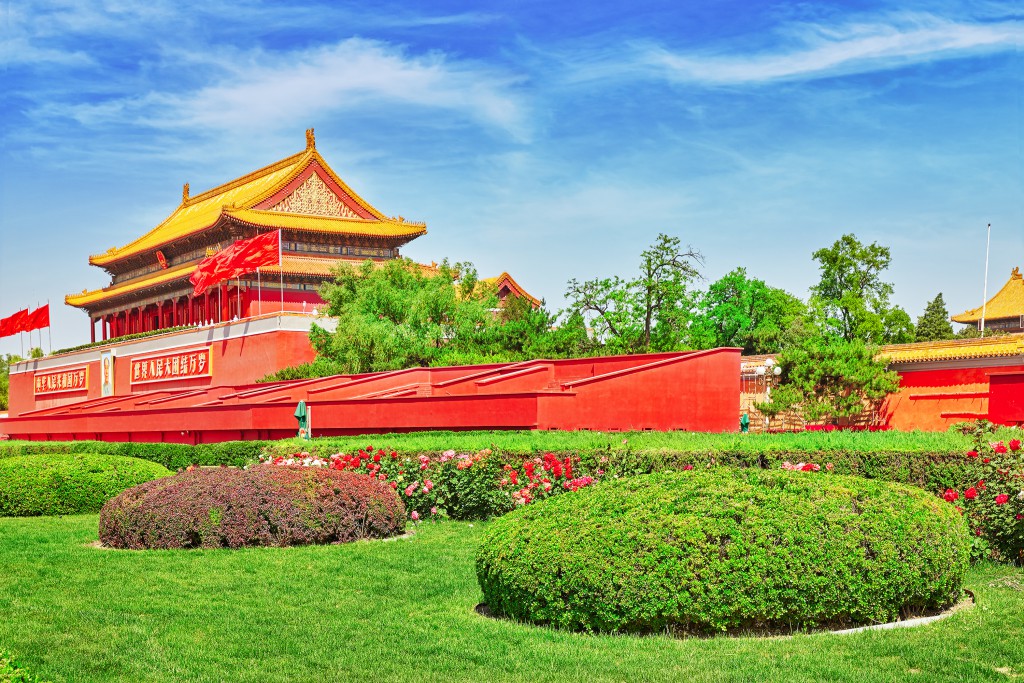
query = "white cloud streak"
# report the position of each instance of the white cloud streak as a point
(814, 51)
(263, 91)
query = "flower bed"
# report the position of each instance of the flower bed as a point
(705, 551)
(68, 484)
(455, 485)
(262, 506)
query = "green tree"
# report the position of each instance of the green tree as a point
(851, 300)
(5, 379)
(933, 325)
(827, 377)
(647, 313)
(741, 311)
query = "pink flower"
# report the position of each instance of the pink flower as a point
(950, 495)
(1002, 499)
(411, 488)
(433, 510)
(829, 467)
(415, 516)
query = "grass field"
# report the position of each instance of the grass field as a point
(403, 610)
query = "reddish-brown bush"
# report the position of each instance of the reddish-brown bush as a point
(262, 506)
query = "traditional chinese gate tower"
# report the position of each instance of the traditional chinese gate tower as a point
(323, 223)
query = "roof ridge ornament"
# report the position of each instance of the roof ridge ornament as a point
(184, 194)
(1015, 274)
(310, 139)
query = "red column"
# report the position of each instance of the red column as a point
(92, 329)
(160, 315)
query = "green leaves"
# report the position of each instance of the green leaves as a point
(851, 301)
(933, 325)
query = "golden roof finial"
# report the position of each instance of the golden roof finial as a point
(1015, 273)
(184, 194)
(310, 139)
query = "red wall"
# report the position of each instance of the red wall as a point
(932, 400)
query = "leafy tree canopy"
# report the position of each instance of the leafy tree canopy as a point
(741, 311)
(647, 313)
(933, 325)
(851, 300)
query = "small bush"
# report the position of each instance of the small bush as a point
(68, 484)
(11, 671)
(262, 506)
(707, 551)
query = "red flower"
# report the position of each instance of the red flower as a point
(687, 468)
(999, 448)
(1014, 445)
(986, 460)
(369, 449)
(950, 495)
(972, 454)
(971, 493)
(981, 484)
(1002, 499)
(376, 457)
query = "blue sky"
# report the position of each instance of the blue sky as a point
(549, 139)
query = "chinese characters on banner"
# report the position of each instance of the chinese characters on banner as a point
(172, 365)
(76, 379)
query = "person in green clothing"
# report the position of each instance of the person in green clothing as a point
(745, 423)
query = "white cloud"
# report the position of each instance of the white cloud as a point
(810, 51)
(264, 91)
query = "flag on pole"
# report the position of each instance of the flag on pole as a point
(242, 257)
(19, 321)
(38, 319)
(6, 328)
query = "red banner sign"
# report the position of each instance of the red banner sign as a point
(76, 379)
(171, 366)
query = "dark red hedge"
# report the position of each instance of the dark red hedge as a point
(266, 505)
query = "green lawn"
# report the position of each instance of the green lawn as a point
(403, 610)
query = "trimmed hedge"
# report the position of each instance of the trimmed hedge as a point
(707, 551)
(262, 506)
(173, 456)
(68, 484)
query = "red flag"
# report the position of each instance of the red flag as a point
(19, 322)
(242, 257)
(39, 318)
(5, 327)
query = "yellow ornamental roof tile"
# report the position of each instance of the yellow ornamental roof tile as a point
(956, 349)
(238, 198)
(157, 278)
(327, 224)
(202, 211)
(1008, 302)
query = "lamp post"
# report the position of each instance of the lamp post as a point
(769, 374)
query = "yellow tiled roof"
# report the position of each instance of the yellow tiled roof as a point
(514, 286)
(159, 277)
(327, 224)
(204, 210)
(1007, 303)
(956, 349)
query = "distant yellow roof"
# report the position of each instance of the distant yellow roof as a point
(238, 198)
(1007, 303)
(955, 349)
(514, 287)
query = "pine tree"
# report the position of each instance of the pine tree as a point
(934, 325)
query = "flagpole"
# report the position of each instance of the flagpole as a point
(238, 291)
(259, 291)
(984, 296)
(280, 263)
(49, 329)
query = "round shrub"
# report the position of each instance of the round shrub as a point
(699, 552)
(263, 506)
(68, 483)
